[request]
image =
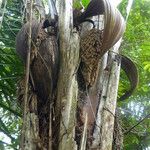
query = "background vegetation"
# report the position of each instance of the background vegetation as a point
(136, 45)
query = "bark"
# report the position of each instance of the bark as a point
(107, 85)
(109, 108)
(65, 110)
(52, 125)
(32, 137)
(100, 105)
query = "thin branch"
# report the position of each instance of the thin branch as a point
(140, 134)
(8, 25)
(6, 39)
(84, 136)
(7, 134)
(1, 17)
(128, 9)
(137, 124)
(9, 78)
(27, 73)
(3, 126)
(11, 110)
(5, 130)
(2, 142)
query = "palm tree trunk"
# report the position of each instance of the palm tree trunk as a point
(53, 124)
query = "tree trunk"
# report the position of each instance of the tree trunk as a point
(65, 109)
(61, 120)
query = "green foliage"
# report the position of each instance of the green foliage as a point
(77, 3)
(2, 146)
(146, 65)
(137, 41)
(136, 45)
(133, 112)
(10, 72)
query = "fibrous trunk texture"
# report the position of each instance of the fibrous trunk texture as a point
(64, 113)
